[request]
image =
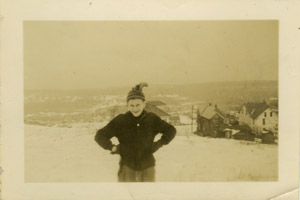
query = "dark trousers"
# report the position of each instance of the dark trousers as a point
(127, 174)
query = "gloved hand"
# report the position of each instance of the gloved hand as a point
(156, 145)
(115, 149)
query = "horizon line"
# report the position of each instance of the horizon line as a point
(155, 85)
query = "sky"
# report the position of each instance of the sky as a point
(102, 54)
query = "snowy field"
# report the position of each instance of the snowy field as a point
(54, 154)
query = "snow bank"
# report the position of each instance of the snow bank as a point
(211, 159)
(185, 119)
(54, 154)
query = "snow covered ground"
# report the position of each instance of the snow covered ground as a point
(54, 154)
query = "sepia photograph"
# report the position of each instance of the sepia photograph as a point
(151, 101)
(160, 100)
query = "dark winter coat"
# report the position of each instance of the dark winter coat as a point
(136, 136)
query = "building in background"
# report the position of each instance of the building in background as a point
(157, 108)
(259, 116)
(211, 121)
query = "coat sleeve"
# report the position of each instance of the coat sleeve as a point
(167, 130)
(104, 135)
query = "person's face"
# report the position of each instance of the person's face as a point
(136, 106)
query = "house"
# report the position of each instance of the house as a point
(274, 108)
(259, 116)
(233, 118)
(161, 105)
(211, 121)
(154, 106)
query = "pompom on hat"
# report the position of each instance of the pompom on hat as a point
(137, 92)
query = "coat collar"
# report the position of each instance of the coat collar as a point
(142, 116)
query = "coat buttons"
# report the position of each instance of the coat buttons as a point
(138, 125)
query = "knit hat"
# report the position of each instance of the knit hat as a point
(137, 92)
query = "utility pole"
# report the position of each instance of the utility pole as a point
(192, 118)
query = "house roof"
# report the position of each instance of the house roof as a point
(174, 117)
(256, 109)
(273, 106)
(210, 111)
(156, 110)
(220, 112)
(156, 103)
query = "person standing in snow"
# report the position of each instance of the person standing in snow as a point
(136, 130)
